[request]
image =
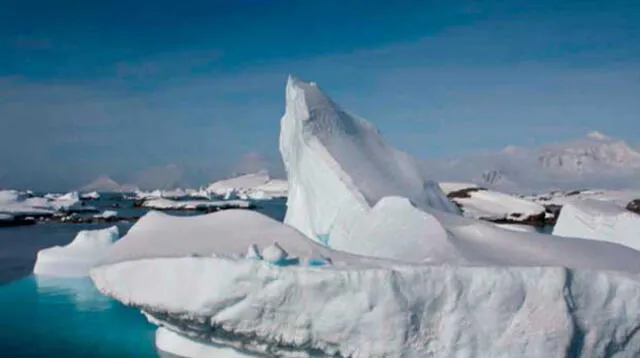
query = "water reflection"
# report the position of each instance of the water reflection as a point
(79, 291)
(68, 317)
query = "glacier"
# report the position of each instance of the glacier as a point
(373, 260)
(76, 258)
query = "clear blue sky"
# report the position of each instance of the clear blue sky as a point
(189, 91)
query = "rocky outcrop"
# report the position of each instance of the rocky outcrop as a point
(634, 206)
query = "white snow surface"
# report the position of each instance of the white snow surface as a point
(517, 227)
(244, 181)
(489, 204)
(620, 198)
(15, 202)
(168, 204)
(599, 220)
(94, 195)
(107, 214)
(76, 258)
(450, 187)
(254, 186)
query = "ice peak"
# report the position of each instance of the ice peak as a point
(597, 135)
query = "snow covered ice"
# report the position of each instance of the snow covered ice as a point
(76, 258)
(480, 203)
(599, 220)
(168, 204)
(405, 275)
(254, 186)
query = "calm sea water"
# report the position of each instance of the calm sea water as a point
(53, 317)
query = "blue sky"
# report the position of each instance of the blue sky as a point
(159, 92)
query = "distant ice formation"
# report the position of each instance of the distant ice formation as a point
(252, 186)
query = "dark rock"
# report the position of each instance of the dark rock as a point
(573, 193)
(464, 193)
(634, 206)
(538, 220)
(553, 209)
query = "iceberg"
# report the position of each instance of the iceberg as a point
(373, 260)
(76, 258)
(107, 215)
(168, 204)
(250, 180)
(253, 186)
(14, 203)
(599, 220)
(94, 195)
(201, 288)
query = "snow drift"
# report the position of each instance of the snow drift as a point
(76, 258)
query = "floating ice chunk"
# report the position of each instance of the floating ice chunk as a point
(107, 214)
(76, 258)
(94, 195)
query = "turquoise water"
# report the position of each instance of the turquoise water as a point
(55, 317)
(51, 317)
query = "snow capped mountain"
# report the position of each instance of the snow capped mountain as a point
(596, 160)
(105, 184)
(591, 154)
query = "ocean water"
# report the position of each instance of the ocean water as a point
(55, 317)
(51, 317)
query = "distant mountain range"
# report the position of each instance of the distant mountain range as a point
(105, 184)
(594, 161)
